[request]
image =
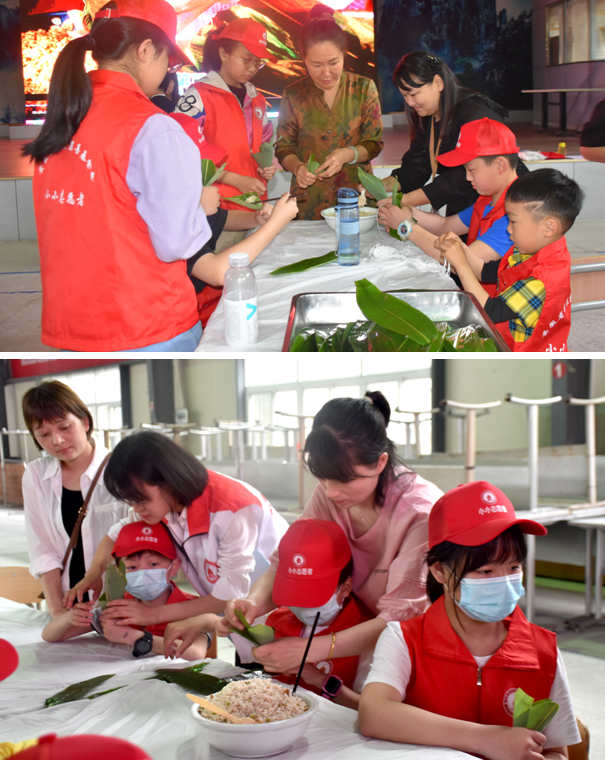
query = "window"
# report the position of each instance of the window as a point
(308, 384)
(575, 31)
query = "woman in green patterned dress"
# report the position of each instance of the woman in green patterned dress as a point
(333, 114)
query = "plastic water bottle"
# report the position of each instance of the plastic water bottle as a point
(241, 303)
(347, 227)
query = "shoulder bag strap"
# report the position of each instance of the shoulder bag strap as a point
(82, 512)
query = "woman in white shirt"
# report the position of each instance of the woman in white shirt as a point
(55, 486)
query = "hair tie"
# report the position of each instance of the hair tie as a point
(91, 43)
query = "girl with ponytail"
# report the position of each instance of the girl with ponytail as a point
(118, 192)
(383, 508)
(229, 108)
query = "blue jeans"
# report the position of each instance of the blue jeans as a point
(187, 341)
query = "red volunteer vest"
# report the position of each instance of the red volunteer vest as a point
(287, 624)
(225, 127)
(551, 265)
(104, 288)
(445, 677)
(480, 224)
(176, 596)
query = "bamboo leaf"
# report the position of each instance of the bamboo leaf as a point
(394, 314)
(372, 185)
(541, 714)
(312, 164)
(192, 680)
(76, 691)
(302, 266)
(304, 341)
(258, 634)
(210, 173)
(241, 201)
(115, 584)
(265, 158)
(358, 337)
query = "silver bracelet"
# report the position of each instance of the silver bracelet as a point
(354, 149)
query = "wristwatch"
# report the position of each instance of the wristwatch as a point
(143, 645)
(404, 230)
(331, 687)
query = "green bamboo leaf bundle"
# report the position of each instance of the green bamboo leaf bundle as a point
(76, 691)
(302, 266)
(256, 634)
(210, 173)
(528, 713)
(265, 157)
(247, 200)
(312, 164)
(394, 314)
(372, 185)
(115, 584)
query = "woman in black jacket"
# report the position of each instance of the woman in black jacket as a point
(437, 105)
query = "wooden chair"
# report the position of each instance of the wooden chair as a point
(18, 585)
(580, 751)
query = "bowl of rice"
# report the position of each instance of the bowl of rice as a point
(281, 718)
(367, 218)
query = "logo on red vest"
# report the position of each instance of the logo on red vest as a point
(258, 112)
(326, 666)
(508, 703)
(211, 569)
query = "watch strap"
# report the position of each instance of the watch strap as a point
(143, 645)
(331, 693)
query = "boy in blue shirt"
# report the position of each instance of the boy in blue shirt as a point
(488, 151)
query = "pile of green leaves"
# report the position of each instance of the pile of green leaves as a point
(247, 200)
(392, 325)
(265, 157)
(528, 713)
(256, 634)
(312, 164)
(115, 584)
(210, 173)
(302, 266)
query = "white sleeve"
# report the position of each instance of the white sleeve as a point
(563, 728)
(392, 664)
(43, 556)
(115, 529)
(191, 103)
(236, 552)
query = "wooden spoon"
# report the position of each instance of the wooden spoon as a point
(211, 707)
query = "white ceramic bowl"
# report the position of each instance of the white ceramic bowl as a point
(367, 218)
(259, 739)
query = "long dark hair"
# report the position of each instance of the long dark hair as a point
(150, 458)
(462, 560)
(50, 401)
(348, 432)
(211, 56)
(322, 28)
(70, 91)
(420, 67)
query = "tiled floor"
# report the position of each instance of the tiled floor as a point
(586, 673)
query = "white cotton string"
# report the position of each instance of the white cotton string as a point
(380, 252)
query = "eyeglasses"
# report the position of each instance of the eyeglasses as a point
(174, 65)
(251, 63)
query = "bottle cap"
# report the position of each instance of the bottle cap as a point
(239, 259)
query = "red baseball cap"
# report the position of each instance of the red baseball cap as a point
(9, 659)
(52, 747)
(483, 137)
(140, 537)
(157, 12)
(312, 554)
(196, 133)
(473, 514)
(251, 34)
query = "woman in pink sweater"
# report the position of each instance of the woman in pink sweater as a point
(382, 507)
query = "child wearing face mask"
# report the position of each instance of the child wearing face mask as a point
(150, 563)
(448, 677)
(314, 575)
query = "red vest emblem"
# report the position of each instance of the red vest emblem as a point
(211, 569)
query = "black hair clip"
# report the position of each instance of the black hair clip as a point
(434, 63)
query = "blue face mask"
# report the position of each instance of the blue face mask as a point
(490, 599)
(327, 611)
(147, 585)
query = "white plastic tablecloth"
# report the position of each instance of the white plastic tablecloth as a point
(151, 714)
(303, 240)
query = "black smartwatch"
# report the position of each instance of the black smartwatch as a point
(143, 645)
(331, 687)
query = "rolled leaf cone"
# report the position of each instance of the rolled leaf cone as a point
(372, 185)
(312, 164)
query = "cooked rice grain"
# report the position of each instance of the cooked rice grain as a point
(260, 699)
